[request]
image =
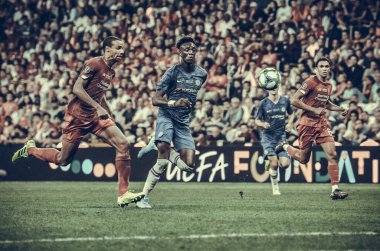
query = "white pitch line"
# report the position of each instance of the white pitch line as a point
(201, 236)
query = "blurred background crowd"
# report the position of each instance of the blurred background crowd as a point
(44, 43)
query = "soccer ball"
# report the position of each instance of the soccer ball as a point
(269, 79)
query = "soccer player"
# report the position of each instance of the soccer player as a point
(314, 98)
(88, 112)
(271, 116)
(176, 97)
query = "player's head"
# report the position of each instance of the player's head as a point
(274, 91)
(114, 48)
(187, 49)
(323, 67)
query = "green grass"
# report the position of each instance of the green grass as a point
(48, 210)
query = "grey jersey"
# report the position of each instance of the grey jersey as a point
(176, 84)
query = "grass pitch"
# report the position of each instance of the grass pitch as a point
(188, 216)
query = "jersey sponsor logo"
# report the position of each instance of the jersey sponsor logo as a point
(278, 117)
(186, 90)
(283, 109)
(109, 77)
(322, 97)
(103, 85)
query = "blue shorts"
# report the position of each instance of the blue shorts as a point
(168, 130)
(270, 143)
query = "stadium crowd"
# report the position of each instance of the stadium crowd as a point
(44, 44)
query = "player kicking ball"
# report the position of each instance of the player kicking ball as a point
(176, 96)
(88, 112)
(314, 98)
(271, 117)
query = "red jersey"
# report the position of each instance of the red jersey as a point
(99, 76)
(317, 94)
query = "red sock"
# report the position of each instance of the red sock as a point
(45, 154)
(334, 174)
(292, 152)
(123, 166)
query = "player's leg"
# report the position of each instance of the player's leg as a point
(114, 136)
(63, 157)
(333, 170)
(306, 136)
(163, 137)
(148, 148)
(273, 173)
(184, 153)
(284, 162)
(155, 173)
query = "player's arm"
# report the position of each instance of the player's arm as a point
(160, 100)
(332, 107)
(296, 102)
(81, 93)
(262, 124)
(259, 117)
(289, 125)
(106, 106)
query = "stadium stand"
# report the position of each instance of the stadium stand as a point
(44, 43)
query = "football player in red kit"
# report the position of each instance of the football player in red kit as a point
(88, 112)
(314, 99)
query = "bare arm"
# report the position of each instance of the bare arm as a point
(289, 125)
(106, 106)
(262, 124)
(296, 102)
(161, 101)
(81, 93)
(332, 107)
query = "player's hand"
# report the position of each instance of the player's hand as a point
(102, 113)
(319, 111)
(288, 127)
(182, 102)
(344, 113)
(266, 125)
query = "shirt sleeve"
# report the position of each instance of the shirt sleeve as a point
(204, 79)
(260, 112)
(90, 68)
(166, 80)
(306, 87)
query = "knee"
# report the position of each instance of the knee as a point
(303, 160)
(63, 161)
(190, 163)
(274, 164)
(123, 146)
(285, 165)
(163, 148)
(332, 155)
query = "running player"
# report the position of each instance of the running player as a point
(271, 116)
(314, 98)
(89, 112)
(176, 96)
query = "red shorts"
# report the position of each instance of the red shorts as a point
(308, 134)
(75, 129)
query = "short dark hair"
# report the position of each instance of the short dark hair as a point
(185, 39)
(108, 41)
(322, 59)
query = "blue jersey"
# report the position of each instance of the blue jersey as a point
(275, 115)
(176, 84)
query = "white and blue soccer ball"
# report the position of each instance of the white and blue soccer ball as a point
(269, 79)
